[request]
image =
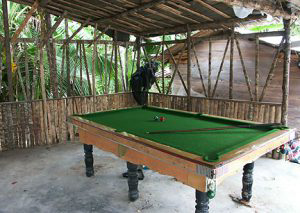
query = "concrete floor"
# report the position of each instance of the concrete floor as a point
(53, 180)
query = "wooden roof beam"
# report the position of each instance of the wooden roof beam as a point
(203, 26)
(133, 10)
(25, 21)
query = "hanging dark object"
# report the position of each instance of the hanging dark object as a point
(142, 80)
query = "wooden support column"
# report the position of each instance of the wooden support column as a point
(189, 105)
(68, 59)
(231, 64)
(116, 63)
(138, 48)
(94, 67)
(256, 67)
(52, 59)
(209, 69)
(286, 72)
(163, 64)
(7, 50)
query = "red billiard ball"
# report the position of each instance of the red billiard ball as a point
(162, 119)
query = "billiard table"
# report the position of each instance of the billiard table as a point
(198, 150)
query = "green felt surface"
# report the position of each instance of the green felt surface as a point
(211, 145)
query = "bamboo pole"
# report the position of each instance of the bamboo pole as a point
(44, 96)
(27, 77)
(176, 67)
(199, 69)
(80, 66)
(122, 70)
(256, 67)
(272, 69)
(34, 73)
(138, 47)
(286, 72)
(25, 21)
(87, 70)
(126, 67)
(231, 64)
(189, 86)
(21, 81)
(105, 68)
(163, 64)
(7, 50)
(221, 68)
(244, 70)
(116, 64)
(209, 69)
(148, 60)
(68, 60)
(111, 68)
(62, 71)
(75, 67)
(1, 73)
(94, 67)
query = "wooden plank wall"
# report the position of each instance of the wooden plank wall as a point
(245, 110)
(22, 124)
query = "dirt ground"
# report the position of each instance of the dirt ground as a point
(52, 180)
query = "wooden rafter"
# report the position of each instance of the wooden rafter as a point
(133, 10)
(202, 26)
(208, 6)
(25, 21)
(176, 13)
(187, 9)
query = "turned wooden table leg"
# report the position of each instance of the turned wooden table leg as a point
(202, 202)
(88, 159)
(247, 182)
(133, 181)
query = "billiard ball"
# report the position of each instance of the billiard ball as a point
(162, 119)
(156, 118)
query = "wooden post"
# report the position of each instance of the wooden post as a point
(7, 50)
(231, 64)
(286, 72)
(189, 106)
(80, 66)
(1, 73)
(138, 47)
(126, 67)
(163, 64)
(68, 59)
(62, 71)
(27, 73)
(209, 69)
(256, 67)
(105, 68)
(94, 67)
(116, 63)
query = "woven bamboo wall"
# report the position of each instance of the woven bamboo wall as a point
(22, 123)
(244, 110)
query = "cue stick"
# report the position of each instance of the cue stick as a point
(248, 126)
